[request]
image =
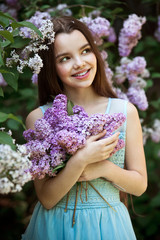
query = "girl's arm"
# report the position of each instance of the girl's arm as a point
(133, 179)
(51, 190)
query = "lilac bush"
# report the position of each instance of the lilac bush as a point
(130, 34)
(13, 168)
(134, 71)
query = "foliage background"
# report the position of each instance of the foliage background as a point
(16, 209)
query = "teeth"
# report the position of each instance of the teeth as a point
(81, 74)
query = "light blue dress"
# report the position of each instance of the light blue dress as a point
(93, 218)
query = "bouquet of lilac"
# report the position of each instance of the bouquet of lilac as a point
(61, 132)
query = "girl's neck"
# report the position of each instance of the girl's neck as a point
(82, 96)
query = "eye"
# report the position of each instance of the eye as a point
(86, 50)
(64, 59)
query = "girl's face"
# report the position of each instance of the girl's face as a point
(76, 64)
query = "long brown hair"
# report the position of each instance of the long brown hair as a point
(48, 81)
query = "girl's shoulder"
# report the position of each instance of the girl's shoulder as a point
(32, 117)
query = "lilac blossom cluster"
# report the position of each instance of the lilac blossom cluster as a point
(130, 34)
(134, 71)
(157, 32)
(23, 58)
(13, 167)
(58, 135)
(99, 27)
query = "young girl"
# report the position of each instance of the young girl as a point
(74, 205)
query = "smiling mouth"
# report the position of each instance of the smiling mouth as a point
(81, 74)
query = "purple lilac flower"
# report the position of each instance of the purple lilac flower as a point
(29, 134)
(120, 94)
(98, 26)
(37, 20)
(112, 35)
(58, 134)
(70, 141)
(157, 32)
(3, 83)
(34, 78)
(130, 34)
(134, 70)
(138, 97)
(135, 67)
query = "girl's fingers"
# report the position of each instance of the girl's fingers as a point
(98, 136)
(109, 140)
(111, 146)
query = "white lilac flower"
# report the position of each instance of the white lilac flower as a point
(13, 168)
(155, 135)
(35, 63)
(37, 43)
(130, 34)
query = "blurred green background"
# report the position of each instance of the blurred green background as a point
(16, 209)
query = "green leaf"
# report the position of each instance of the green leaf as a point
(62, 165)
(6, 139)
(5, 43)
(4, 71)
(1, 59)
(20, 42)
(5, 116)
(69, 107)
(1, 92)
(11, 78)
(26, 24)
(149, 84)
(155, 75)
(6, 16)
(117, 10)
(155, 104)
(6, 34)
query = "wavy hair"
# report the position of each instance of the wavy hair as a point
(49, 83)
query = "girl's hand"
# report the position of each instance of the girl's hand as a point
(96, 149)
(92, 171)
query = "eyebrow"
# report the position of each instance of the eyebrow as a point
(63, 54)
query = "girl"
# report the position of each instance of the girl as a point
(73, 66)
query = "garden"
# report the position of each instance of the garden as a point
(128, 36)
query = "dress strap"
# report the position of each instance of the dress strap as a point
(118, 106)
(44, 107)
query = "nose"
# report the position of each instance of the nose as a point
(79, 62)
